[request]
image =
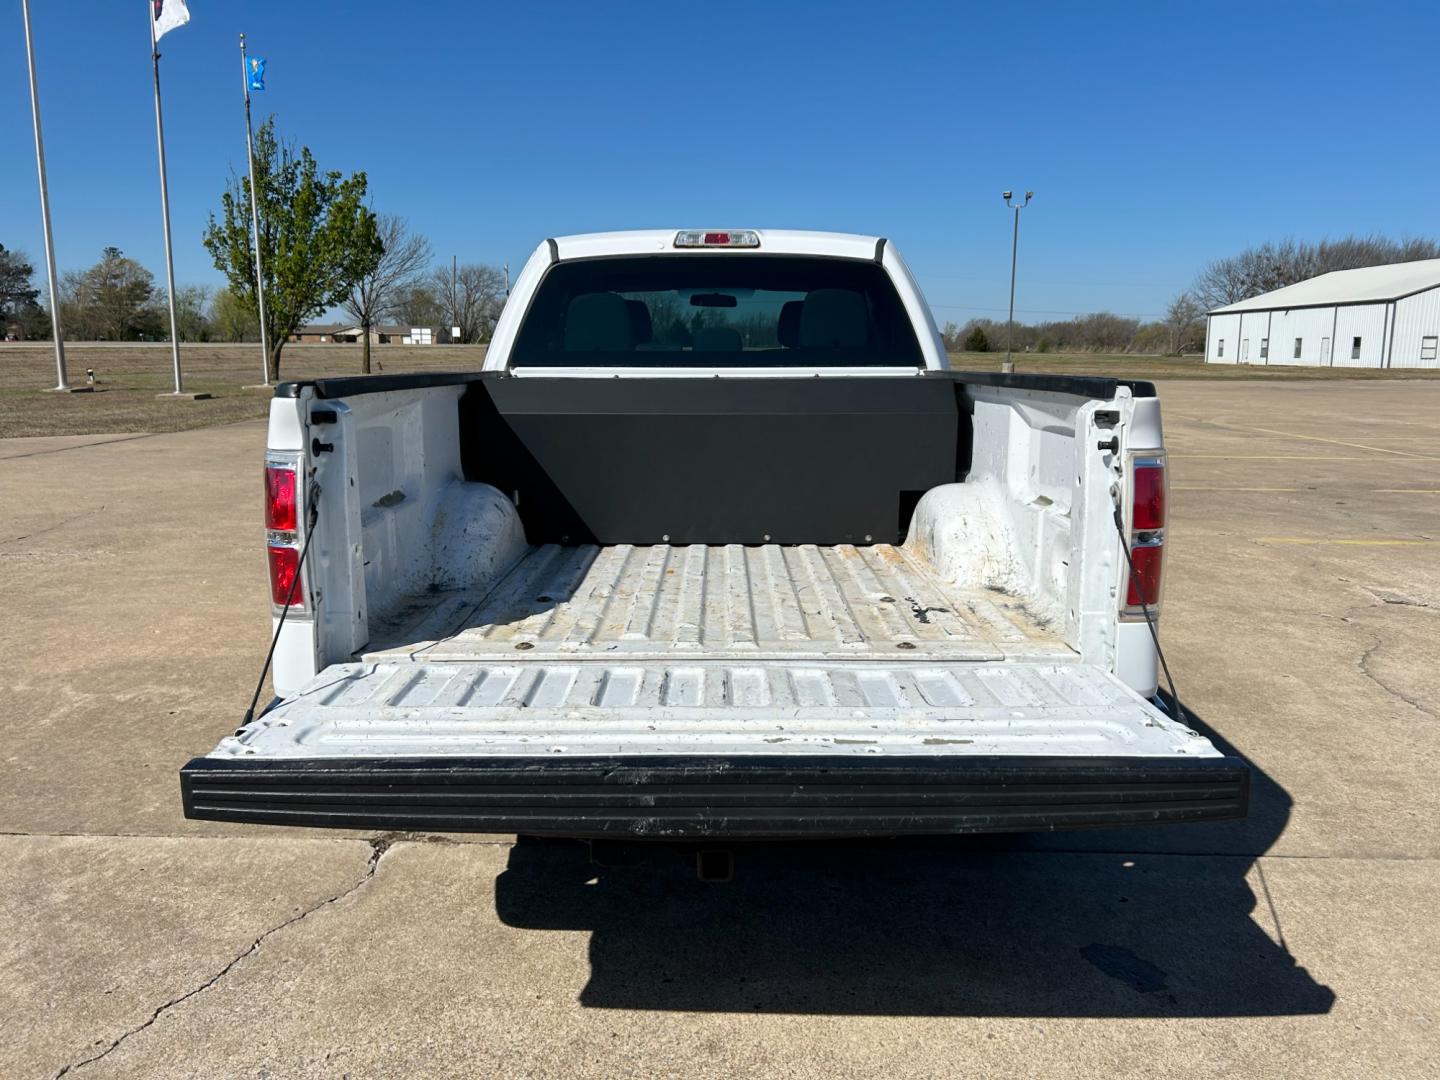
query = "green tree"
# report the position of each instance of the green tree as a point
(317, 235)
(114, 300)
(19, 299)
(977, 341)
(232, 319)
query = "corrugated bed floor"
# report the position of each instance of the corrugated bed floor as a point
(582, 707)
(803, 601)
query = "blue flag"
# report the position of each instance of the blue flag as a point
(255, 73)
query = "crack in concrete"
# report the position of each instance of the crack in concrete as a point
(83, 446)
(1385, 596)
(378, 847)
(57, 525)
(1364, 665)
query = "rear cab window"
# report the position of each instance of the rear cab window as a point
(717, 310)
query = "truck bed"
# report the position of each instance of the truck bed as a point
(616, 588)
(717, 602)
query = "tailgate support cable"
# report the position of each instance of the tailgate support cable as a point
(1145, 608)
(311, 517)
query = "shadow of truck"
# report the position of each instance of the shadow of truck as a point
(1106, 923)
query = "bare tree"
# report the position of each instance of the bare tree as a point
(192, 309)
(1221, 282)
(1274, 265)
(1413, 248)
(1254, 271)
(1182, 319)
(418, 304)
(379, 292)
(1351, 252)
(1103, 331)
(470, 296)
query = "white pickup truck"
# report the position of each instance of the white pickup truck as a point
(716, 545)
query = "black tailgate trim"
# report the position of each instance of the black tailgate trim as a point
(736, 797)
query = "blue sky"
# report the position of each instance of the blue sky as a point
(1156, 136)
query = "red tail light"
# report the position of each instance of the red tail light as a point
(279, 499)
(282, 523)
(1145, 580)
(1147, 534)
(1148, 507)
(284, 566)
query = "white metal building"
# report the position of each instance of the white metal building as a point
(1377, 317)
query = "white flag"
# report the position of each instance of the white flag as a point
(168, 15)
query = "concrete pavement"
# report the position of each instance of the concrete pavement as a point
(1302, 618)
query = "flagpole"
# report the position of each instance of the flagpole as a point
(165, 201)
(255, 220)
(60, 381)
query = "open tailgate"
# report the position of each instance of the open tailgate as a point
(707, 749)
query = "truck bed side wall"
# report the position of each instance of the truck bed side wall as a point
(1034, 517)
(392, 503)
(420, 488)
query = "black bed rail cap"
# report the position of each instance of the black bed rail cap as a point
(1102, 387)
(352, 385)
(1088, 386)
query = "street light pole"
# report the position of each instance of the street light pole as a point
(1014, 253)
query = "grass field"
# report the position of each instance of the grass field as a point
(129, 376)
